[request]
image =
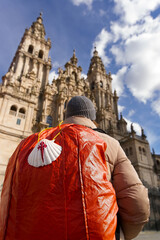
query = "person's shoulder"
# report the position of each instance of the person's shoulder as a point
(108, 139)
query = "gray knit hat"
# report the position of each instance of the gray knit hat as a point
(81, 106)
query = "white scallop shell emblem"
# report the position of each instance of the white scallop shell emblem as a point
(44, 153)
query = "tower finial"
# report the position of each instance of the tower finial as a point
(39, 19)
(142, 133)
(73, 59)
(95, 53)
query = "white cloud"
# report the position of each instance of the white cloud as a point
(152, 138)
(118, 53)
(132, 11)
(56, 64)
(156, 106)
(136, 126)
(117, 83)
(131, 113)
(83, 75)
(101, 43)
(79, 2)
(52, 75)
(137, 47)
(142, 54)
(120, 108)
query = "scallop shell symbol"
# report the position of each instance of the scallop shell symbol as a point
(44, 153)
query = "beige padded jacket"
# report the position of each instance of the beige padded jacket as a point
(132, 196)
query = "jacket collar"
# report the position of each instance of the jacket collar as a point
(80, 121)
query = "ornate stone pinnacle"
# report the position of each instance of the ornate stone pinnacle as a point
(95, 53)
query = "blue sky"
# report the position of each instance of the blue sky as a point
(126, 34)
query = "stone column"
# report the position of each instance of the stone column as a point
(34, 68)
(47, 74)
(19, 65)
(26, 66)
(115, 102)
(44, 116)
(99, 97)
(60, 110)
(28, 119)
(103, 105)
(3, 110)
(40, 71)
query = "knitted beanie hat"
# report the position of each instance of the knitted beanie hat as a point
(81, 106)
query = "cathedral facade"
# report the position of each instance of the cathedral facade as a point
(29, 103)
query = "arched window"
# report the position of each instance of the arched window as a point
(22, 110)
(21, 113)
(101, 84)
(144, 151)
(49, 120)
(13, 110)
(40, 55)
(92, 85)
(30, 49)
(140, 150)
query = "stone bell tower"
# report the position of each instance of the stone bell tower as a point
(22, 93)
(101, 92)
(69, 83)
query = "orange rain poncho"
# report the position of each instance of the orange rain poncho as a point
(69, 199)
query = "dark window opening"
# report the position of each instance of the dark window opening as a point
(49, 120)
(92, 85)
(30, 49)
(21, 113)
(22, 110)
(40, 55)
(144, 151)
(18, 121)
(13, 108)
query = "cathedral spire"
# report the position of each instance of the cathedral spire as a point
(96, 63)
(37, 27)
(39, 19)
(31, 59)
(74, 59)
(95, 53)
